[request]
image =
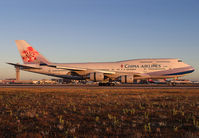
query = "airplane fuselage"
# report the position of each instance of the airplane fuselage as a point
(151, 68)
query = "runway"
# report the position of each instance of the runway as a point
(123, 86)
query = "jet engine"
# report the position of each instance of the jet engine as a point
(127, 79)
(96, 76)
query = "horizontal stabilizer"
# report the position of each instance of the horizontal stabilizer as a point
(24, 66)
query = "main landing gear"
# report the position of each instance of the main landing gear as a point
(106, 84)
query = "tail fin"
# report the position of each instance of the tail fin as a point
(29, 55)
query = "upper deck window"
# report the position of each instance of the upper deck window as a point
(179, 60)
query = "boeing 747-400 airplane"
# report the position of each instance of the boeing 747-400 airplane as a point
(126, 71)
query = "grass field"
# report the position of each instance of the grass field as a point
(99, 112)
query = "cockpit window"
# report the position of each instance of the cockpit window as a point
(179, 60)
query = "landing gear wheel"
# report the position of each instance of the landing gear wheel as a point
(106, 84)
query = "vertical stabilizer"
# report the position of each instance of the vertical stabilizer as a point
(29, 55)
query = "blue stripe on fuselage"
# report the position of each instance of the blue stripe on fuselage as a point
(179, 73)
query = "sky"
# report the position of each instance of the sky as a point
(99, 30)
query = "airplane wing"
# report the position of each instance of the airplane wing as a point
(105, 72)
(142, 76)
(80, 69)
(24, 66)
(66, 68)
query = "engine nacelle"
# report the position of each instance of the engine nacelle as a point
(127, 79)
(96, 76)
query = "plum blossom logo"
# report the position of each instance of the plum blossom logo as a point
(29, 54)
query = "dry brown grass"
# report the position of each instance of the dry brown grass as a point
(99, 112)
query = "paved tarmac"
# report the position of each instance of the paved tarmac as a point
(124, 86)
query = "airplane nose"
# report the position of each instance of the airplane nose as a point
(192, 68)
